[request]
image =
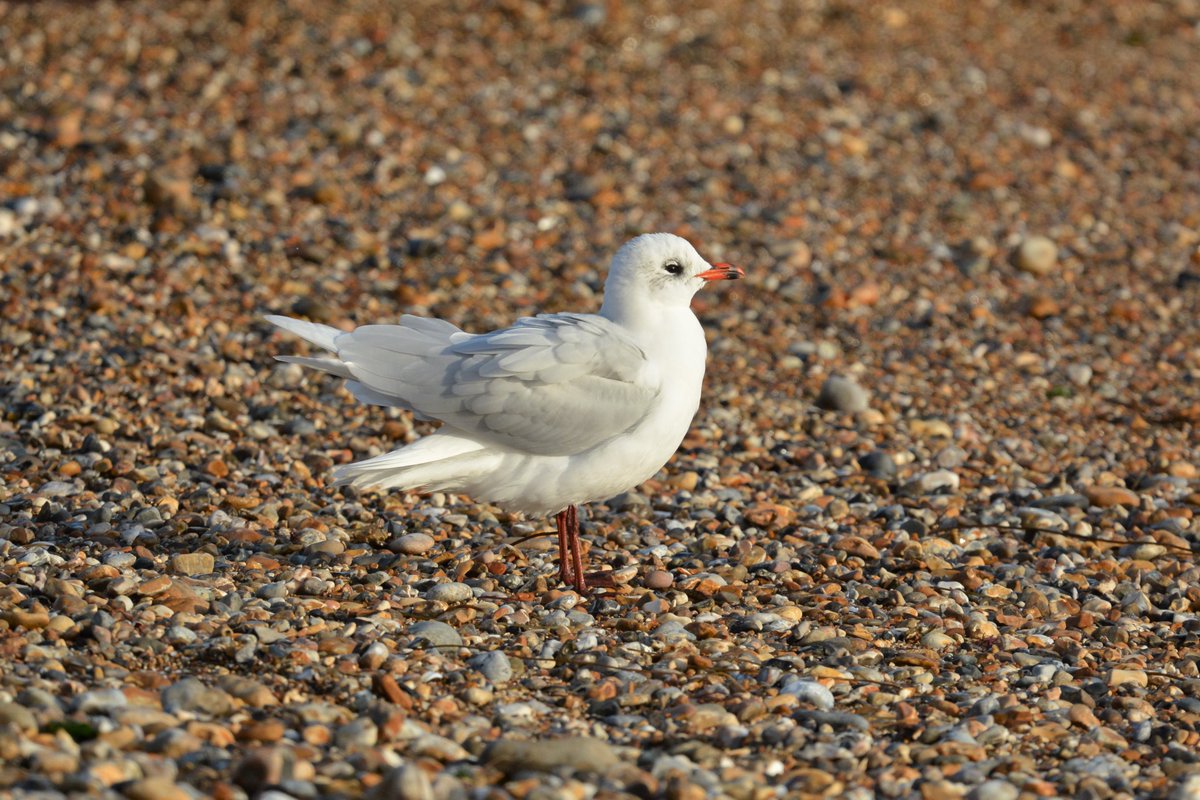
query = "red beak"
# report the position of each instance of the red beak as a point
(722, 272)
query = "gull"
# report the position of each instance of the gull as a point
(554, 411)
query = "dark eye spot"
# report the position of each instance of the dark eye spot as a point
(673, 267)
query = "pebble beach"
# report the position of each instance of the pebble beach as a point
(933, 533)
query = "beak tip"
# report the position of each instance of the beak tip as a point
(722, 272)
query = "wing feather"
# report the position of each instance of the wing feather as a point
(555, 384)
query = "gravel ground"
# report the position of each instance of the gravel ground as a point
(932, 535)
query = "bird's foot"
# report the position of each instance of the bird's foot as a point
(593, 580)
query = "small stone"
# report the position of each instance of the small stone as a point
(46, 761)
(1043, 306)
(8, 223)
(405, 782)
(938, 640)
(1083, 716)
(684, 481)
(580, 753)
(356, 734)
(809, 691)
(628, 500)
(412, 544)
(1188, 788)
(261, 768)
(111, 772)
(272, 591)
(1079, 374)
(449, 593)
(931, 429)
(99, 701)
(1036, 255)
(842, 394)
(168, 192)
(436, 633)
(856, 546)
(1040, 519)
(175, 743)
(31, 620)
(1147, 551)
(373, 657)
(193, 563)
(878, 464)
(490, 239)
(1109, 496)
(658, 579)
(19, 716)
(994, 789)
(156, 788)
(191, 695)
(251, 692)
(937, 481)
(493, 665)
(1137, 677)
(264, 731)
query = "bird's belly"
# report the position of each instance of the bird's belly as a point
(547, 484)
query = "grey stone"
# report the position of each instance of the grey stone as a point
(994, 789)
(436, 633)
(18, 715)
(939, 480)
(1036, 255)
(449, 593)
(878, 464)
(405, 782)
(191, 695)
(493, 665)
(578, 754)
(100, 701)
(842, 394)
(357, 733)
(810, 692)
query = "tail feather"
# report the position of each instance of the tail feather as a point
(322, 336)
(330, 365)
(433, 461)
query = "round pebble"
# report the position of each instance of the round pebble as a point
(842, 394)
(1037, 255)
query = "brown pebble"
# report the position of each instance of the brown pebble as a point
(658, 579)
(155, 789)
(1136, 677)
(193, 563)
(1083, 717)
(1042, 306)
(32, 620)
(1108, 496)
(265, 731)
(684, 481)
(490, 239)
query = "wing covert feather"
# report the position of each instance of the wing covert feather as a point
(554, 384)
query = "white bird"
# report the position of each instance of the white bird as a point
(557, 410)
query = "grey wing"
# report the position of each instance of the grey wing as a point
(555, 384)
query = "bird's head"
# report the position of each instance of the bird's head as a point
(660, 268)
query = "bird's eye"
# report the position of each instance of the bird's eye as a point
(673, 267)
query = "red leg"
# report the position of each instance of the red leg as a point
(582, 580)
(564, 571)
(576, 549)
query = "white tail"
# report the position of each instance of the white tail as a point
(436, 461)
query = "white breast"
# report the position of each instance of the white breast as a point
(544, 485)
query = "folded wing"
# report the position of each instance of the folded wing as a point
(555, 384)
